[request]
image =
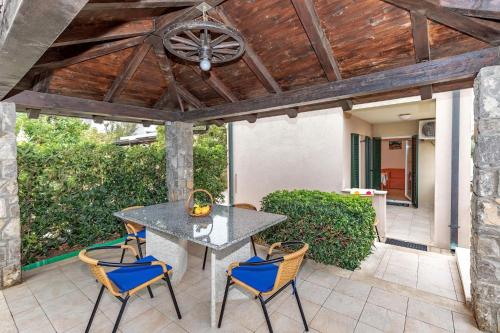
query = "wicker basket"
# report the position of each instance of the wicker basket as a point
(190, 203)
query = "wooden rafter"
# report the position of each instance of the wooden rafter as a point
(128, 71)
(42, 81)
(94, 6)
(425, 73)
(171, 99)
(28, 28)
(421, 44)
(120, 31)
(187, 14)
(93, 52)
(216, 84)
(322, 47)
(252, 60)
(79, 107)
(189, 98)
(443, 15)
(475, 8)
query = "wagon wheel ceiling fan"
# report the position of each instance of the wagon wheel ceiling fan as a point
(205, 41)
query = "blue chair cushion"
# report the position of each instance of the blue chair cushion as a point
(140, 234)
(127, 278)
(260, 278)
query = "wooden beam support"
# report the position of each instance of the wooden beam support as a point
(421, 45)
(442, 15)
(173, 101)
(216, 84)
(187, 14)
(253, 61)
(79, 107)
(128, 71)
(27, 29)
(435, 71)
(93, 52)
(475, 8)
(97, 6)
(79, 35)
(319, 41)
(189, 98)
(42, 81)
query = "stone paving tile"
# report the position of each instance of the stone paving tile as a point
(382, 319)
(344, 304)
(388, 300)
(416, 326)
(33, 320)
(430, 314)
(356, 289)
(323, 278)
(364, 328)
(329, 321)
(464, 324)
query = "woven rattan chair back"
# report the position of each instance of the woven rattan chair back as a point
(99, 272)
(132, 227)
(289, 268)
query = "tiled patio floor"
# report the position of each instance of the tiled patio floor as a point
(394, 291)
(409, 224)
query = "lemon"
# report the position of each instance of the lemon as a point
(197, 210)
(205, 209)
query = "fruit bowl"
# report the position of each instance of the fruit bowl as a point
(199, 209)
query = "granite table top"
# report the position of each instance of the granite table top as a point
(224, 227)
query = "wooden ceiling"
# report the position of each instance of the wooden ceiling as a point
(112, 52)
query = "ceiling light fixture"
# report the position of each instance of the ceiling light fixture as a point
(405, 116)
(205, 41)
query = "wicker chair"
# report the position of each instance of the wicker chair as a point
(267, 278)
(243, 206)
(135, 232)
(127, 279)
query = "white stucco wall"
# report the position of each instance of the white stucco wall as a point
(283, 153)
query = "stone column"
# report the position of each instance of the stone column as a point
(179, 145)
(10, 225)
(485, 240)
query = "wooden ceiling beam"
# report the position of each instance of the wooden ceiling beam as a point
(79, 35)
(93, 52)
(162, 22)
(128, 71)
(171, 99)
(253, 61)
(216, 84)
(474, 8)
(445, 16)
(28, 28)
(449, 69)
(421, 44)
(189, 98)
(96, 6)
(319, 41)
(74, 106)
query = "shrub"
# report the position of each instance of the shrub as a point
(68, 191)
(338, 228)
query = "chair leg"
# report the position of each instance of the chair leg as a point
(205, 257)
(300, 306)
(117, 323)
(150, 292)
(266, 314)
(253, 246)
(167, 278)
(123, 251)
(228, 283)
(139, 247)
(94, 310)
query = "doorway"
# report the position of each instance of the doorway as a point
(396, 169)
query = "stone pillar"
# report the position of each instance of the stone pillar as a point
(179, 145)
(485, 240)
(10, 225)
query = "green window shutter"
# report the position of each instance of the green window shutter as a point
(377, 162)
(368, 162)
(354, 160)
(414, 170)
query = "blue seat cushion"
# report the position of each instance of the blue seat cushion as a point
(260, 278)
(140, 234)
(127, 278)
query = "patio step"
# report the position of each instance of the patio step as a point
(463, 262)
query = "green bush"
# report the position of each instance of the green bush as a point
(68, 191)
(338, 228)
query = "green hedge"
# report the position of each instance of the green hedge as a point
(69, 192)
(338, 228)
